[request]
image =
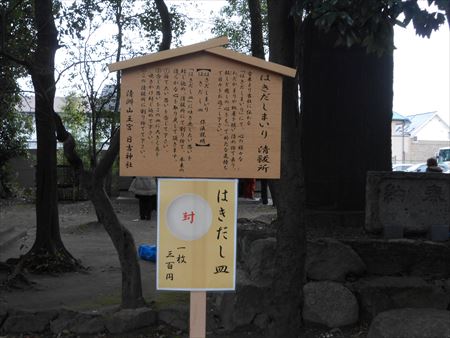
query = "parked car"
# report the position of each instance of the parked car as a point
(422, 167)
(401, 166)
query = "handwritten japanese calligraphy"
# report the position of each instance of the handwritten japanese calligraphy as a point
(172, 259)
(192, 120)
(197, 259)
(188, 216)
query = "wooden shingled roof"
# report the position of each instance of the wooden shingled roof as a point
(213, 46)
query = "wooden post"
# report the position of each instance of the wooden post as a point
(197, 322)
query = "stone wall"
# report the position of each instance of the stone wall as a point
(346, 282)
(412, 201)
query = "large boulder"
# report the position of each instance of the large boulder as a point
(247, 306)
(380, 294)
(330, 259)
(260, 263)
(87, 324)
(403, 257)
(326, 259)
(177, 315)
(411, 323)
(330, 304)
(130, 319)
(28, 321)
(63, 321)
(250, 231)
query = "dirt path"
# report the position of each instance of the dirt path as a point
(88, 241)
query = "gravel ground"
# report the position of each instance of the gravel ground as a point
(79, 227)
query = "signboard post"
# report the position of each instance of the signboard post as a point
(200, 111)
(196, 240)
(197, 318)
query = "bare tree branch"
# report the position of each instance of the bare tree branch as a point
(74, 64)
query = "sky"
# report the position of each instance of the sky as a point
(422, 72)
(421, 65)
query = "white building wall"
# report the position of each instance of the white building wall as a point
(401, 145)
(434, 130)
(422, 144)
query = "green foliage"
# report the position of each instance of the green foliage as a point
(76, 120)
(150, 25)
(136, 23)
(15, 128)
(369, 22)
(74, 116)
(9, 91)
(75, 18)
(234, 22)
(16, 20)
(14, 133)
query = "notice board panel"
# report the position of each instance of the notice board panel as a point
(200, 115)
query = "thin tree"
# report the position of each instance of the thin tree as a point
(93, 182)
(48, 252)
(257, 48)
(291, 240)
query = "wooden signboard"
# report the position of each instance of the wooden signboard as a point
(200, 111)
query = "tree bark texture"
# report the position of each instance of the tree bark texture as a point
(166, 26)
(120, 236)
(48, 244)
(291, 243)
(347, 110)
(256, 29)
(257, 41)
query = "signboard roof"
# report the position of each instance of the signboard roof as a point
(211, 46)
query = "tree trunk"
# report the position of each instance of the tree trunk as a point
(291, 242)
(166, 26)
(48, 247)
(124, 243)
(347, 111)
(122, 239)
(256, 28)
(94, 182)
(256, 32)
